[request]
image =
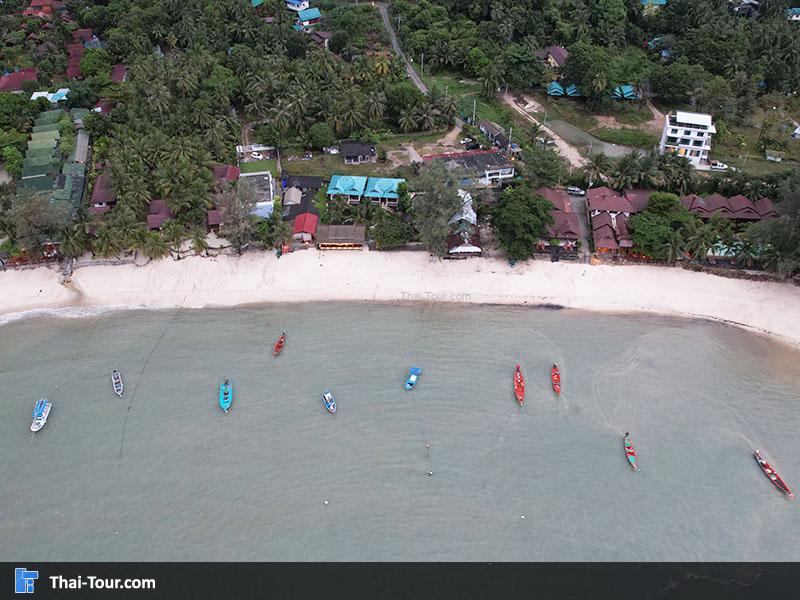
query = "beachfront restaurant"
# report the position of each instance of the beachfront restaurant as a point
(341, 237)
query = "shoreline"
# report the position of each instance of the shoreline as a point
(404, 277)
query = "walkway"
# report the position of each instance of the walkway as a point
(387, 24)
(566, 150)
(578, 206)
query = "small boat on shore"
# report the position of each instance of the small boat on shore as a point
(116, 381)
(630, 453)
(519, 386)
(329, 401)
(770, 472)
(413, 377)
(555, 377)
(40, 413)
(279, 344)
(225, 395)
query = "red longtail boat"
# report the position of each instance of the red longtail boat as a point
(279, 344)
(555, 376)
(519, 386)
(773, 475)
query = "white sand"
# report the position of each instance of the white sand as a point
(311, 275)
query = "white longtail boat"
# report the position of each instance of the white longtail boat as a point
(40, 414)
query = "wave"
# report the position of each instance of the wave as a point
(70, 312)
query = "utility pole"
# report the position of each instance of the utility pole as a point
(474, 104)
(510, 131)
(422, 66)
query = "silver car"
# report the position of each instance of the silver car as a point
(575, 191)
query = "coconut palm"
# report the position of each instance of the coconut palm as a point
(628, 172)
(597, 167)
(155, 246)
(675, 247)
(701, 238)
(407, 120)
(425, 116)
(376, 105)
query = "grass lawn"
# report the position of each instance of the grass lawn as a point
(325, 165)
(626, 137)
(467, 90)
(254, 166)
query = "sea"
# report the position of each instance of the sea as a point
(454, 470)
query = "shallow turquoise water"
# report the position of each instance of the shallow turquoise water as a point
(163, 474)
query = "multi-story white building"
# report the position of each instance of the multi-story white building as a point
(688, 134)
(297, 5)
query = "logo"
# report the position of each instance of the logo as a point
(23, 580)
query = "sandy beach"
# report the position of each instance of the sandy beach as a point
(311, 275)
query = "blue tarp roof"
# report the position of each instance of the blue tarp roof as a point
(572, 91)
(308, 14)
(256, 3)
(554, 89)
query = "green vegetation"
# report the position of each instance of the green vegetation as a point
(521, 220)
(255, 166)
(627, 137)
(433, 205)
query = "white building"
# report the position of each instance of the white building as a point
(297, 5)
(688, 134)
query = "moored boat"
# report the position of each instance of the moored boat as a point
(40, 413)
(279, 344)
(770, 472)
(519, 386)
(555, 377)
(116, 381)
(630, 453)
(329, 401)
(413, 377)
(225, 395)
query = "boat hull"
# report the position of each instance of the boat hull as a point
(630, 453)
(40, 414)
(279, 345)
(555, 377)
(329, 402)
(413, 378)
(772, 475)
(519, 386)
(225, 396)
(117, 383)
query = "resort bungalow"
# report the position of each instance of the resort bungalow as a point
(356, 153)
(624, 92)
(566, 230)
(610, 233)
(321, 38)
(737, 208)
(605, 200)
(307, 18)
(383, 191)
(341, 237)
(158, 214)
(558, 198)
(349, 187)
(103, 198)
(305, 227)
(554, 57)
(12, 82)
(297, 5)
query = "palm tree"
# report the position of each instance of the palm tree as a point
(491, 78)
(74, 240)
(174, 233)
(281, 230)
(155, 246)
(701, 239)
(597, 167)
(381, 66)
(425, 116)
(106, 244)
(675, 247)
(628, 172)
(376, 105)
(199, 241)
(407, 120)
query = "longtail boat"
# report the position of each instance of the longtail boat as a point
(116, 382)
(40, 414)
(329, 401)
(630, 453)
(519, 386)
(555, 376)
(225, 395)
(413, 377)
(770, 472)
(279, 344)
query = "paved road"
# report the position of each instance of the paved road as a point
(578, 205)
(387, 24)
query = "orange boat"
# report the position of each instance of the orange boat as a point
(519, 386)
(279, 344)
(555, 376)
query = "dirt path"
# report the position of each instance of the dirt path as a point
(566, 150)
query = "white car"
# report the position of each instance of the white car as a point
(575, 191)
(718, 166)
(465, 141)
(257, 155)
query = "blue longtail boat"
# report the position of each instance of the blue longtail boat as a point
(225, 395)
(40, 414)
(413, 377)
(329, 401)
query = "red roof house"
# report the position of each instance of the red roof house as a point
(603, 233)
(766, 208)
(103, 197)
(603, 199)
(305, 227)
(119, 73)
(158, 214)
(12, 82)
(558, 198)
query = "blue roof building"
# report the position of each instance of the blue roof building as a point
(625, 92)
(350, 186)
(308, 15)
(555, 89)
(383, 190)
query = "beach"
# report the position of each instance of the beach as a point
(363, 276)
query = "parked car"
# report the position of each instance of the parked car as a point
(256, 155)
(473, 146)
(466, 140)
(545, 141)
(575, 191)
(718, 166)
